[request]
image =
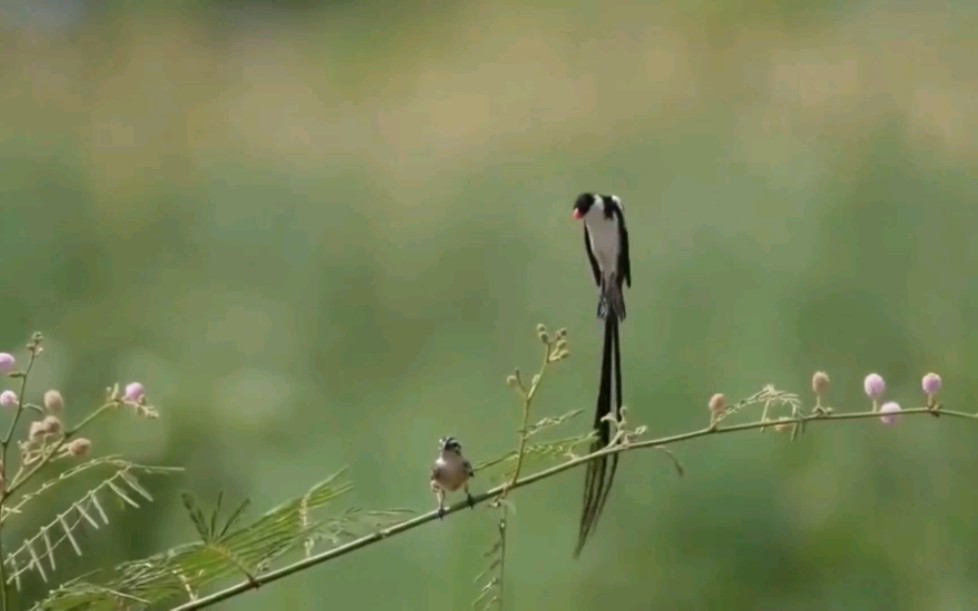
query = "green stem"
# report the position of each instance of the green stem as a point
(498, 491)
(503, 525)
(4, 445)
(527, 402)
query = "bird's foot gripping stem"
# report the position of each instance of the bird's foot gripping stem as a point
(602, 306)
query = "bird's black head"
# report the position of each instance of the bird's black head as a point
(449, 444)
(584, 203)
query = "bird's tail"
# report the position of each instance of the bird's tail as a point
(601, 472)
(612, 299)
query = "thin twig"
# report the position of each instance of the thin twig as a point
(527, 403)
(5, 492)
(503, 528)
(432, 516)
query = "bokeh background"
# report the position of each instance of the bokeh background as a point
(322, 234)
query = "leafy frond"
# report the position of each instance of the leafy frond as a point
(352, 523)
(768, 397)
(492, 577)
(40, 549)
(123, 467)
(550, 422)
(558, 449)
(225, 551)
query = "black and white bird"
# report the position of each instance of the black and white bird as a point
(606, 243)
(450, 472)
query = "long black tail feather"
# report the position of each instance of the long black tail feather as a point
(613, 459)
(601, 472)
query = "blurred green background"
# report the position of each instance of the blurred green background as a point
(322, 234)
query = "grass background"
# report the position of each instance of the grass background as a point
(322, 233)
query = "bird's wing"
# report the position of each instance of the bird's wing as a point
(469, 471)
(435, 473)
(624, 263)
(590, 257)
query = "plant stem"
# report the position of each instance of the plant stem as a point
(527, 402)
(503, 525)
(5, 492)
(433, 516)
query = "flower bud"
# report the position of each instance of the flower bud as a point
(7, 362)
(134, 392)
(717, 404)
(874, 386)
(52, 426)
(890, 412)
(79, 447)
(38, 430)
(8, 398)
(931, 384)
(820, 382)
(54, 402)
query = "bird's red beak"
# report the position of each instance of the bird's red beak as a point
(577, 214)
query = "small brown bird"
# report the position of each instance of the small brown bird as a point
(450, 472)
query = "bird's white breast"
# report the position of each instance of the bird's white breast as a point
(604, 238)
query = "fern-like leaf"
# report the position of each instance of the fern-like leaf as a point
(492, 578)
(185, 570)
(557, 449)
(121, 465)
(41, 547)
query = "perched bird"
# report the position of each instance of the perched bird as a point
(450, 472)
(606, 243)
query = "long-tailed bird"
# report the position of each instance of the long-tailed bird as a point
(450, 472)
(606, 244)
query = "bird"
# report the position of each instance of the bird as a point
(450, 472)
(606, 244)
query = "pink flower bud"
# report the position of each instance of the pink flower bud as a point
(134, 392)
(874, 386)
(8, 398)
(931, 384)
(890, 412)
(7, 362)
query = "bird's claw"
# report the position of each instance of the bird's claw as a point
(441, 513)
(470, 500)
(603, 307)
